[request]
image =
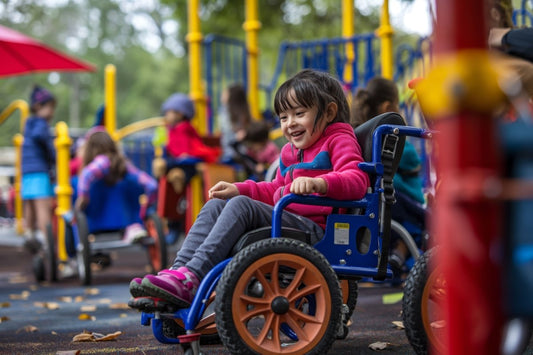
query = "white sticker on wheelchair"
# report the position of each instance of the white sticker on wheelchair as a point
(342, 233)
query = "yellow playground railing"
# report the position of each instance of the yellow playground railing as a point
(18, 139)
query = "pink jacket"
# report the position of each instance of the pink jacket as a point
(334, 157)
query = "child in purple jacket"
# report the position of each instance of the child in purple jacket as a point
(103, 160)
(321, 158)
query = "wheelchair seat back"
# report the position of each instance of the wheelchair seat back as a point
(356, 244)
(365, 133)
(113, 207)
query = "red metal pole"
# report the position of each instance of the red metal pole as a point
(468, 220)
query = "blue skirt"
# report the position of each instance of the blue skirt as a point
(36, 185)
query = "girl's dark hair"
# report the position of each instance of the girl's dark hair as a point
(101, 143)
(311, 87)
(367, 101)
(238, 108)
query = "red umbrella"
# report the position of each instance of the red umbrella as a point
(20, 54)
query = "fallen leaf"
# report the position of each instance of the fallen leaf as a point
(79, 298)
(88, 336)
(23, 296)
(69, 352)
(105, 301)
(66, 299)
(123, 315)
(53, 332)
(438, 324)
(398, 324)
(28, 329)
(5, 305)
(85, 336)
(4, 319)
(379, 345)
(107, 337)
(47, 305)
(119, 306)
(34, 287)
(88, 308)
(92, 291)
(85, 316)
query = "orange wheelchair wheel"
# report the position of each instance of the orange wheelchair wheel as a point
(157, 246)
(278, 296)
(422, 306)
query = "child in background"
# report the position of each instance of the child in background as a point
(260, 148)
(380, 96)
(182, 142)
(103, 160)
(314, 117)
(38, 159)
(234, 116)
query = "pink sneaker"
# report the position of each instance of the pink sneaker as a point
(176, 286)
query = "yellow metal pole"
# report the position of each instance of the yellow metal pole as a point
(18, 139)
(110, 99)
(194, 38)
(385, 32)
(347, 32)
(63, 189)
(251, 26)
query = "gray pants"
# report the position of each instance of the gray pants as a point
(221, 223)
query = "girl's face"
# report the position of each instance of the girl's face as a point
(298, 123)
(47, 110)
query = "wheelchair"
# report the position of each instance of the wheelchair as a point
(425, 286)
(100, 228)
(276, 293)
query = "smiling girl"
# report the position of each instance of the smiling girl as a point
(321, 158)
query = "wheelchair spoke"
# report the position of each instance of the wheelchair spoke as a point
(306, 318)
(255, 312)
(260, 276)
(295, 282)
(308, 290)
(266, 328)
(297, 328)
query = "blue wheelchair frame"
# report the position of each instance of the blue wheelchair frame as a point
(339, 251)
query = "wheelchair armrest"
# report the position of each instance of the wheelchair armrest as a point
(308, 200)
(265, 233)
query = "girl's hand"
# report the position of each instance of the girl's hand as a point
(223, 190)
(81, 203)
(306, 185)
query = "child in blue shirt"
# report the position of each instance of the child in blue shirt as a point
(38, 159)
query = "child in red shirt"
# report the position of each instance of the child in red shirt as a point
(182, 142)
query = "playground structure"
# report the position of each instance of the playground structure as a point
(470, 123)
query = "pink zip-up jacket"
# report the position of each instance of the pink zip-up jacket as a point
(334, 157)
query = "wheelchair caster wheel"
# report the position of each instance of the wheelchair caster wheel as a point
(343, 333)
(38, 268)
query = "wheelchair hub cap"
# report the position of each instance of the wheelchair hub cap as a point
(280, 305)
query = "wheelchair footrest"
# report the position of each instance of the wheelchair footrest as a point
(152, 305)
